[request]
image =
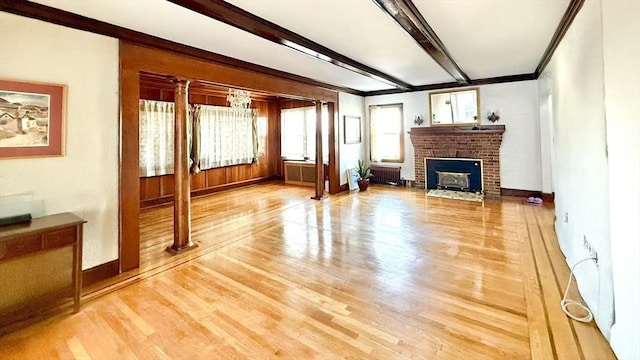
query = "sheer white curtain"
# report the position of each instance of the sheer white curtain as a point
(373, 131)
(325, 134)
(156, 137)
(227, 136)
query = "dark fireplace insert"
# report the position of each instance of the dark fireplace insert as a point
(454, 174)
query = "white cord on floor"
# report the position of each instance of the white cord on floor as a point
(566, 303)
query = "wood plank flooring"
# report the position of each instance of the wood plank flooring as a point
(383, 274)
(217, 220)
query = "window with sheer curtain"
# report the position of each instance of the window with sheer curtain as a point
(298, 133)
(224, 136)
(228, 136)
(386, 138)
(156, 137)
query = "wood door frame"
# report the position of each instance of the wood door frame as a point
(135, 59)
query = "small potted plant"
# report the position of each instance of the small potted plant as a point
(364, 174)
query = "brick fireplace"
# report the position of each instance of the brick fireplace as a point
(456, 142)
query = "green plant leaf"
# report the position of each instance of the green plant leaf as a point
(363, 171)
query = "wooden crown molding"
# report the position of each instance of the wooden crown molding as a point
(502, 79)
(570, 14)
(405, 13)
(450, 85)
(201, 87)
(241, 19)
(75, 21)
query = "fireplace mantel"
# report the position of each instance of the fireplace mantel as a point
(484, 129)
(460, 142)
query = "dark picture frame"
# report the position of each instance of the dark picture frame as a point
(32, 118)
(352, 130)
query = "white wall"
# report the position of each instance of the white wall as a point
(621, 47)
(546, 138)
(518, 106)
(574, 78)
(85, 180)
(351, 105)
(520, 150)
(413, 104)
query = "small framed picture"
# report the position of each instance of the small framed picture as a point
(31, 119)
(352, 133)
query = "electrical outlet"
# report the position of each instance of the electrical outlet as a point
(565, 217)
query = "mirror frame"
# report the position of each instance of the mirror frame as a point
(476, 89)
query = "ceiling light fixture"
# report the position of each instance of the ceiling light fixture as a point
(239, 98)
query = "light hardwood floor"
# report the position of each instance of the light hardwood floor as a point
(384, 274)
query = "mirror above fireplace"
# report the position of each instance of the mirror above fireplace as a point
(452, 108)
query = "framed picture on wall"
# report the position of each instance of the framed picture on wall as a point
(31, 119)
(352, 133)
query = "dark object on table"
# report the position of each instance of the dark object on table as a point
(16, 219)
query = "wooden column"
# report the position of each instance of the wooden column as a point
(129, 191)
(182, 186)
(334, 149)
(319, 164)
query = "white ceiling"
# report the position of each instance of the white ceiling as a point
(359, 30)
(487, 38)
(490, 38)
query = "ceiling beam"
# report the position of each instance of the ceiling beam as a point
(405, 13)
(241, 19)
(570, 14)
(64, 18)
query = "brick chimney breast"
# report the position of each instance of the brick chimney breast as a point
(458, 142)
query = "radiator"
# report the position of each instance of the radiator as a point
(386, 175)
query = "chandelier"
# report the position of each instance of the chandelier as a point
(239, 98)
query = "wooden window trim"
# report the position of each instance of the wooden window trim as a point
(400, 134)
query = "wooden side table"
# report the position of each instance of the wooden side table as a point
(44, 234)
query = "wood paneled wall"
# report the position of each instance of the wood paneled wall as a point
(137, 59)
(159, 189)
(293, 104)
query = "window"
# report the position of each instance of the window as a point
(225, 136)
(386, 138)
(298, 129)
(156, 138)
